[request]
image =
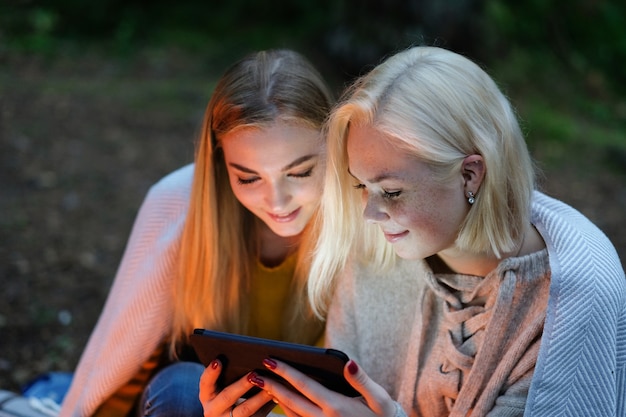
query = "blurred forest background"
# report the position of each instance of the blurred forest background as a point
(99, 99)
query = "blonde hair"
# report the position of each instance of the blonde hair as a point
(440, 107)
(219, 245)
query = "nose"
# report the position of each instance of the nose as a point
(277, 196)
(373, 211)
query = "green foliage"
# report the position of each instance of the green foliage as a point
(561, 62)
(588, 36)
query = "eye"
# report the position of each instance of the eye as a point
(245, 181)
(304, 174)
(359, 186)
(391, 194)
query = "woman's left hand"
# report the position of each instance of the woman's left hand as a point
(313, 399)
(228, 401)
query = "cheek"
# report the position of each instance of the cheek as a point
(308, 191)
(419, 217)
(245, 196)
(430, 214)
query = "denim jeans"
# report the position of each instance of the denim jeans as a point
(173, 392)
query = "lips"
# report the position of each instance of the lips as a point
(286, 218)
(394, 237)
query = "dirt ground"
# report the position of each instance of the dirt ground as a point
(81, 141)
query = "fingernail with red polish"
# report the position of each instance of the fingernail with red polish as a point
(353, 368)
(254, 379)
(270, 363)
(214, 364)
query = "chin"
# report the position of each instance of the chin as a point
(408, 254)
(288, 232)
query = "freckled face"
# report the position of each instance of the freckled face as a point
(417, 214)
(276, 173)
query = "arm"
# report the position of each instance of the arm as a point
(135, 318)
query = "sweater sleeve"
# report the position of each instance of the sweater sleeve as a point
(136, 316)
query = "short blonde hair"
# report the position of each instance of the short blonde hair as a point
(440, 107)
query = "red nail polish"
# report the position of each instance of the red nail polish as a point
(214, 364)
(353, 368)
(254, 379)
(270, 363)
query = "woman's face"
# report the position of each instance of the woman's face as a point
(418, 215)
(276, 172)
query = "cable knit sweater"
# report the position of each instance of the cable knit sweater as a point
(580, 367)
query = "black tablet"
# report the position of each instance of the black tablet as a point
(242, 354)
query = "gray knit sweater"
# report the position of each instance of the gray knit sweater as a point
(580, 369)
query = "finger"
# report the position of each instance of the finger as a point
(260, 403)
(208, 381)
(375, 396)
(232, 393)
(292, 403)
(266, 409)
(216, 402)
(305, 396)
(306, 385)
(290, 413)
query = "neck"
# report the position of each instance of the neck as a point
(274, 249)
(467, 263)
(481, 264)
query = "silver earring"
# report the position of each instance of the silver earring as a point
(470, 197)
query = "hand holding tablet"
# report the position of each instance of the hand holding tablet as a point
(242, 354)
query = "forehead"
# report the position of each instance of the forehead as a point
(280, 143)
(367, 142)
(374, 156)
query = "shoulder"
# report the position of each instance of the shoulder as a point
(581, 255)
(172, 192)
(391, 285)
(176, 184)
(585, 315)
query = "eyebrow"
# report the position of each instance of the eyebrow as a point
(287, 167)
(380, 178)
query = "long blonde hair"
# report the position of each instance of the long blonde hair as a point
(440, 107)
(219, 244)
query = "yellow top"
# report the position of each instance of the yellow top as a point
(269, 296)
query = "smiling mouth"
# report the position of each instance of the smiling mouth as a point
(394, 237)
(284, 218)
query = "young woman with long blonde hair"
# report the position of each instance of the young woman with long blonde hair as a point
(218, 244)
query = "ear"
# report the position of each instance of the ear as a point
(473, 169)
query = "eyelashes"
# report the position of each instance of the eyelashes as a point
(245, 181)
(389, 195)
(304, 174)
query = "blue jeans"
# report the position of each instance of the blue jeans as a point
(173, 392)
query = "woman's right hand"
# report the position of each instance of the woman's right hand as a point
(311, 399)
(228, 402)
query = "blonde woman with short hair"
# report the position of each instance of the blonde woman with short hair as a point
(457, 286)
